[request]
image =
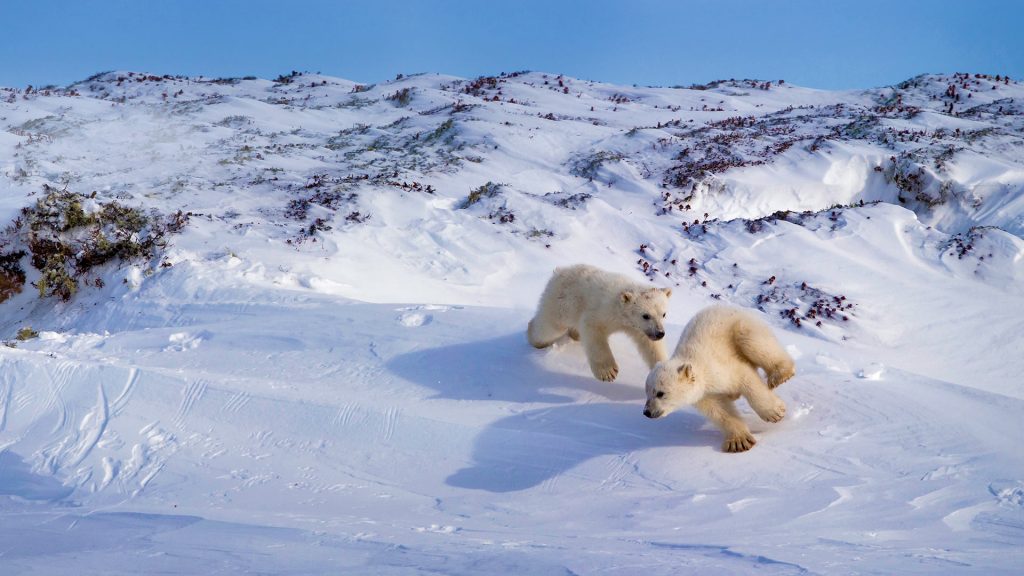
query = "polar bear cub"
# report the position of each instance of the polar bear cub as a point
(590, 304)
(716, 362)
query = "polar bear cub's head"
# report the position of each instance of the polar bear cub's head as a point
(645, 310)
(671, 384)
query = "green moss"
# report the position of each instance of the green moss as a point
(56, 281)
(489, 190)
(122, 218)
(444, 131)
(588, 166)
(74, 216)
(66, 242)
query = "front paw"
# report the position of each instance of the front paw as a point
(739, 443)
(605, 372)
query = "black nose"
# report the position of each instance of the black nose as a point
(647, 413)
(659, 335)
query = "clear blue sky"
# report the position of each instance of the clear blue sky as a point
(817, 43)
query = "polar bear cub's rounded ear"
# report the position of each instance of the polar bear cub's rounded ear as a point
(667, 291)
(626, 296)
(685, 370)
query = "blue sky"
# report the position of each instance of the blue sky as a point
(821, 44)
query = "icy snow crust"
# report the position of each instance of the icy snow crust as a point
(326, 371)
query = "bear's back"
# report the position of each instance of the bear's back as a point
(591, 283)
(712, 330)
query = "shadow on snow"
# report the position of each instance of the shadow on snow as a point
(534, 446)
(525, 450)
(500, 369)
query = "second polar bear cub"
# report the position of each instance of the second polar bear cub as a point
(716, 362)
(590, 304)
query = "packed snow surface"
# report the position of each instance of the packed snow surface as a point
(325, 369)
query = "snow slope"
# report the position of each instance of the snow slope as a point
(326, 371)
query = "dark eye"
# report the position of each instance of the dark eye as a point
(663, 315)
(647, 316)
(660, 394)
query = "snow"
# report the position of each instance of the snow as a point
(331, 373)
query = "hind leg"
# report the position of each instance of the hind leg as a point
(765, 403)
(758, 345)
(781, 372)
(542, 333)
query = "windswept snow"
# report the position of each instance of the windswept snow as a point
(326, 370)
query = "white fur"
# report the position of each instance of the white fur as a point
(715, 363)
(590, 304)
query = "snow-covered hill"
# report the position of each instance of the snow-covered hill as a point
(314, 361)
